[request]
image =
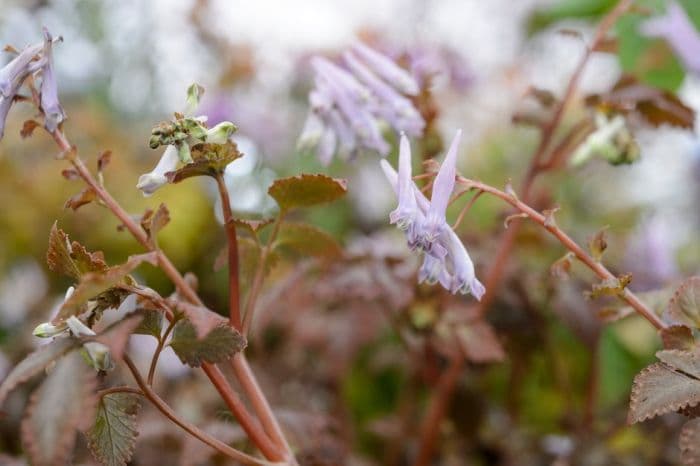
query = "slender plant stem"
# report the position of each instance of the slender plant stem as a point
(233, 282)
(436, 410)
(159, 348)
(257, 436)
(262, 408)
(259, 276)
(238, 362)
(191, 429)
(548, 224)
(247, 422)
(500, 261)
(495, 273)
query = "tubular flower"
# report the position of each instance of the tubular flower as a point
(446, 260)
(148, 183)
(352, 102)
(53, 111)
(677, 29)
(34, 59)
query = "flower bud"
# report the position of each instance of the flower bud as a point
(148, 183)
(47, 330)
(97, 355)
(220, 133)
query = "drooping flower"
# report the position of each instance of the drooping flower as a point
(446, 260)
(53, 111)
(149, 182)
(680, 33)
(353, 101)
(12, 77)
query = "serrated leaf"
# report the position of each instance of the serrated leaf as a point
(204, 320)
(35, 363)
(113, 436)
(151, 324)
(93, 284)
(685, 361)
(61, 405)
(306, 190)
(689, 443)
(208, 160)
(660, 389)
(684, 307)
(303, 240)
(678, 337)
(71, 258)
(217, 346)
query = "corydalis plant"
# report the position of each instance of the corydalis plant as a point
(351, 104)
(35, 60)
(446, 260)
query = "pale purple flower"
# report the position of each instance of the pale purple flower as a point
(680, 33)
(387, 69)
(12, 77)
(17, 70)
(446, 260)
(356, 102)
(53, 111)
(148, 183)
(435, 222)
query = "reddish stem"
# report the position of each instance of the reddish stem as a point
(256, 435)
(233, 282)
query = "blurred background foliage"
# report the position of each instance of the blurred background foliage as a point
(341, 367)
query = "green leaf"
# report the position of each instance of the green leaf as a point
(302, 240)
(660, 389)
(252, 226)
(684, 307)
(306, 190)
(71, 258)
(208, 160)
(565, 9)
(151, 324)
(93, 284)
(64, 403)
(194, 95)
(113, 436)
(648, 59)
(217, 346)
(36, 362)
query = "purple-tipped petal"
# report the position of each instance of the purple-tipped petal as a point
(53, 111)
(443, 185)
(387, 69)
(433, 271)
(463, 276)
(327, 145)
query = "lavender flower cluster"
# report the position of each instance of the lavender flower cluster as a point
(34, 60)
(351, 104)
(446, 260)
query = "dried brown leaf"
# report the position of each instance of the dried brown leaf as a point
(677, 337)
(689, 443)
(84, 197)
(306, 190)
(684, 307)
